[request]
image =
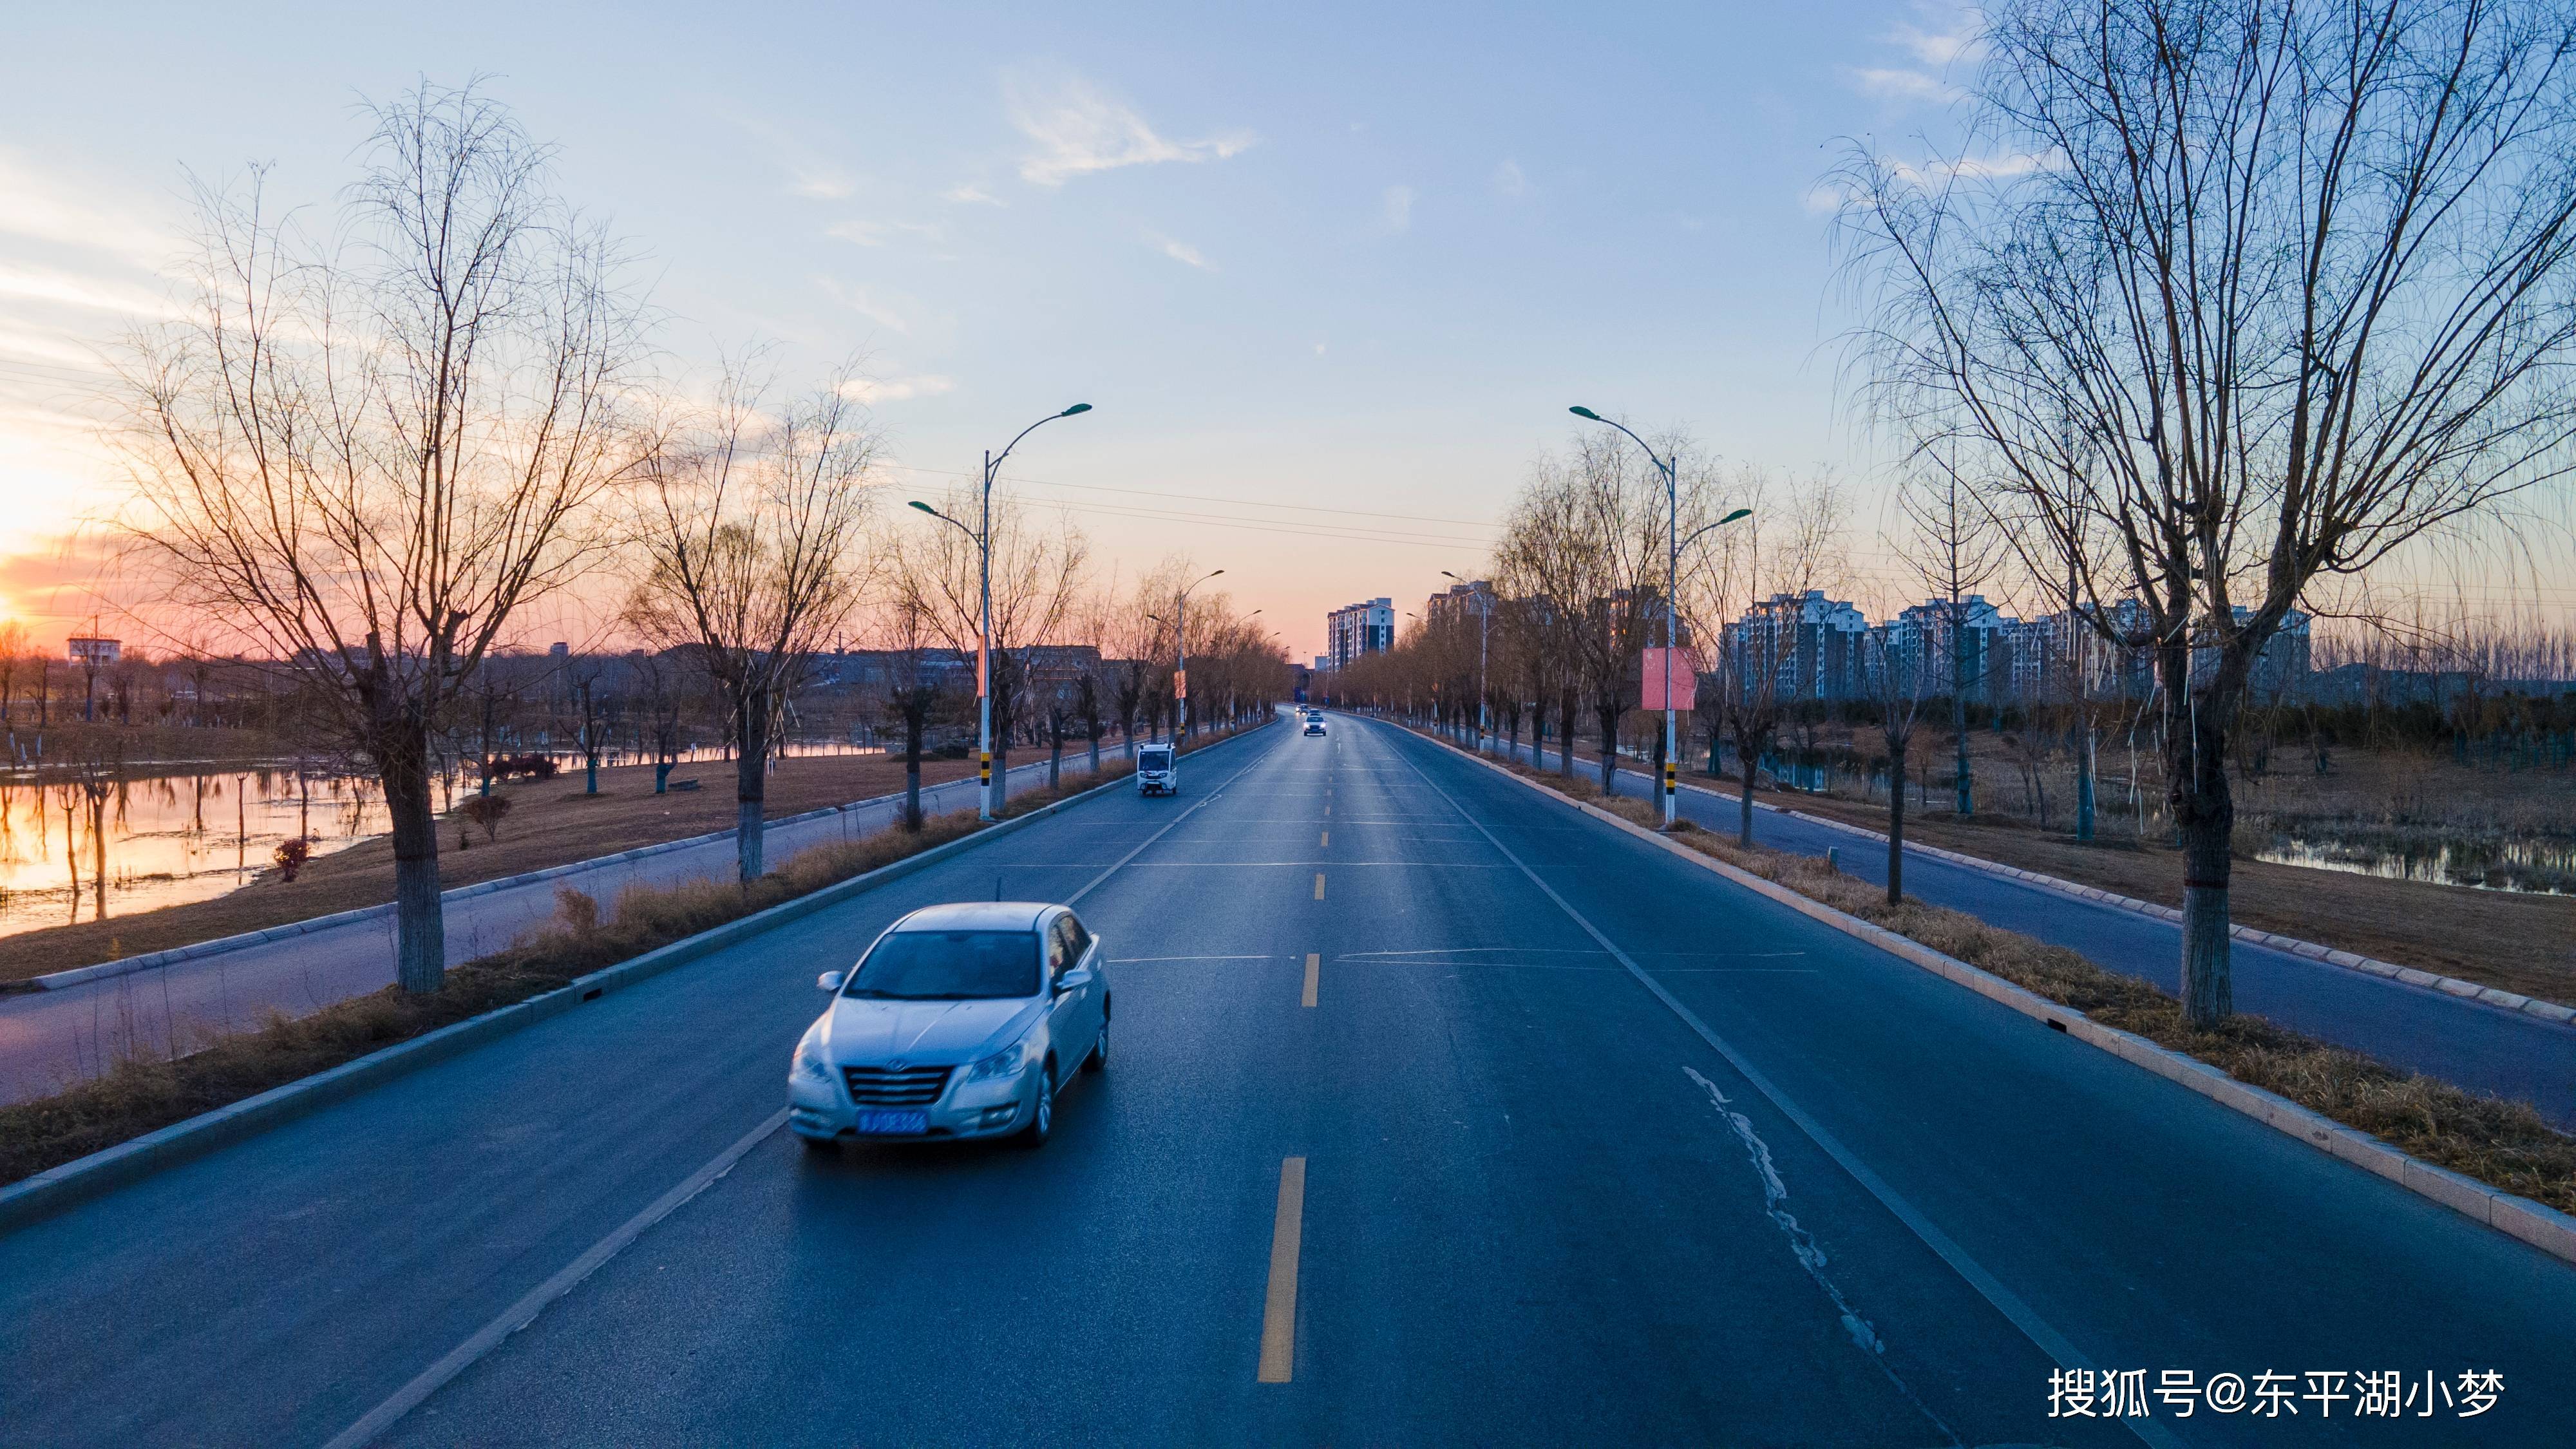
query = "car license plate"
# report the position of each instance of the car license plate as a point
(894, 1124)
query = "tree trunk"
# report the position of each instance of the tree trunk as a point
(1055, 756)
(1964, 800)
(2084, 778)
(2205, 817)
(1565, 736)
(1896, 822)
(1747, 758)
(913, 720)
(751, 783)
(401, 753)
(1608, 715)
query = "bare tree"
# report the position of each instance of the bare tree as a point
(913, 695)
(362, 462)
(1897, 676)
(1037, 583)
(1954, 549)
(2301, 275)
(16, 650)
(751, 534)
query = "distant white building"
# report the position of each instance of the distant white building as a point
(96, 651)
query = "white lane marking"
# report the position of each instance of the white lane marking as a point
(1810, 1254)
(524, 1312)
(520, 1314)
(2006, 1302)
(1133, 960)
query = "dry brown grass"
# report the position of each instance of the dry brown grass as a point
(2502, 1143)
(143, 1095)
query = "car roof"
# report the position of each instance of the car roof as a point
(976, 916)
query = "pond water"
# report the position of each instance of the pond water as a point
(2522, 866)
(194, 833)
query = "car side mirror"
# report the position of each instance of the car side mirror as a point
(830, 980)
(1068, 980)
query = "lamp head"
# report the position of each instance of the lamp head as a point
(1739, 513)
(1585, 413)
(926, 508)
(1076, 408)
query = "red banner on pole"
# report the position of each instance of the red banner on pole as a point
(1669, 674)
(1180, 684)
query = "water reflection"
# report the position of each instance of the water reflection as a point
(75, 849)
(2521, 866)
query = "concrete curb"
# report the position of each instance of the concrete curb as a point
(2290, 945)
(81, 975)
(77, 1181)
(2541, 1226)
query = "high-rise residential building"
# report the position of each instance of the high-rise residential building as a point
(1463, 602)
(1358, 629)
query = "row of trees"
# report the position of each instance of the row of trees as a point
(2216, 303)
(365, 459)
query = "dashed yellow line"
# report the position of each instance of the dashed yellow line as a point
(1319, 885)
(1279, 1307)
(1314, 969)
(1328, 838)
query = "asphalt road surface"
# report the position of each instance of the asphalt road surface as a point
(50, 1039)
(1575, 1143)
(2473, 1044)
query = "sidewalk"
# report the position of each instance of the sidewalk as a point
(2481, 1045)
(49, 1039)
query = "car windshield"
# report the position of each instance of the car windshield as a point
(1154, 760)
(949, 966)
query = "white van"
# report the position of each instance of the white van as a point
(1154, 772)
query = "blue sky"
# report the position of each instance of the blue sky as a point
(1309, 263)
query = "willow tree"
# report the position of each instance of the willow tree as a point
(361, 460)
(751, 550)
(2263, 290)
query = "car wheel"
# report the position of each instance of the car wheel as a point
(1099, 1057)
(1042, 1122)
(819, 1145)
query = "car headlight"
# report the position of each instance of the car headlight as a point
(809, 1057)
(1000, 1064)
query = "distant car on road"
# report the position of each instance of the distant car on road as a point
(961, 1021)
(1314, 724)
(1155, 773)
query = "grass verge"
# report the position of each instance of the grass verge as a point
(144, 1094)
(2502, 1143)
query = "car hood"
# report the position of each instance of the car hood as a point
(861, 1030)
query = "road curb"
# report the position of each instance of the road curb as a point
(126, 965)
(82, 1179)
(2541, 1226)
(2495, 996)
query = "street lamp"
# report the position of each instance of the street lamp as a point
(1672, 598)
(986, 806)
(1181, 651)
(1484, 628)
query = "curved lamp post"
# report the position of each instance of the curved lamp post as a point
(986, 806)
(1672, 595)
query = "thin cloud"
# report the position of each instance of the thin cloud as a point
(878, 233)
(1902, 85)
(1509, 180)
(1079, 130)
(857, 300)
(970, 195)
(823, 186)
(1958, 42)
(1395, 207)
(38, 205)
(873, 390)
(1182, 252)
(65, 289)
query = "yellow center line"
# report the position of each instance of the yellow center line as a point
(1314, 965)
(1279, 1308)
(1319, 885)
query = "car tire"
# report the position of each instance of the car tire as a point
(819, 1145)
(1099, 1057)
(1042, 1121)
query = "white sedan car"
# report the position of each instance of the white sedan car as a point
(961, 1021)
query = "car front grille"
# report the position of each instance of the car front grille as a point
(889, 1087)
